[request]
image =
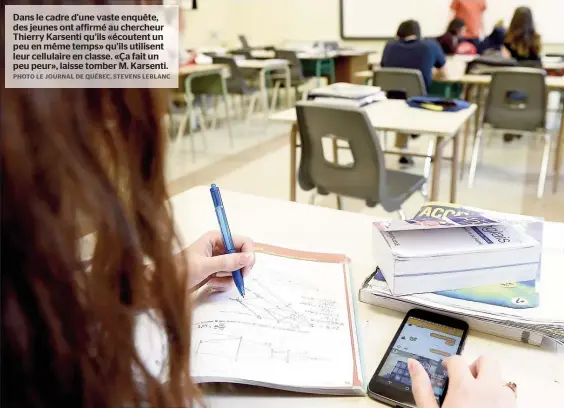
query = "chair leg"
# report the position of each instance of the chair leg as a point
(430, 150)
(425, 192)
(339, 203)
(182, 126)
(474, 160)
(254, 98)
(274, 100)
(401, 214)
(203, 127)
(311, 200)
(544, 165)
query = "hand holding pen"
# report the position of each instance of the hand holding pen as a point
(208, 262)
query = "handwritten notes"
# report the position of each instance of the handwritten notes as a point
(293, 329)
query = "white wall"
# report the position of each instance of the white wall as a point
(272, 22)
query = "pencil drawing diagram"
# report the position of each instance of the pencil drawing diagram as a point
(242, 349)
(261, 303)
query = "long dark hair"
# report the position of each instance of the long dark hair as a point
(455, 27)
(522, 35)
(74, 160)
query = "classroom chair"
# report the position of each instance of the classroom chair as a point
(297, 76)
(403, 83)
(237, 85)
(516, 103)
(400, 83)
(193, 112)
(367, 178)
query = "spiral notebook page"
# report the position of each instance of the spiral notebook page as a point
(293, 330)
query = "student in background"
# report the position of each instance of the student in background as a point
(410, 51)
(450, 39)
(522, 42)
(471, 12)
(493, 43)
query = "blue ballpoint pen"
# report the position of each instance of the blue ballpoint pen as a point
(226, 234)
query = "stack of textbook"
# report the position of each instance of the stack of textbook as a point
(418, 256)
(510, 308)
(347, 94)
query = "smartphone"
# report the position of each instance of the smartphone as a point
(424, 336)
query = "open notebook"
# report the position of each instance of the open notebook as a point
(295, 329)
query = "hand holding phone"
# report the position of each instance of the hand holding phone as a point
(477, 385)
(428, 338)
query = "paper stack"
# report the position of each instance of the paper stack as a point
(422, 255)
(512, 309)
(347, 94)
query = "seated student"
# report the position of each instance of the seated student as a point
(493, 43)
(522, 42)
(410, 51)
(450, 39)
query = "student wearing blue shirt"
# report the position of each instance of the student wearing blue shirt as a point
(410, 51)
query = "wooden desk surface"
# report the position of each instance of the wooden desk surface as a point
(397, 115)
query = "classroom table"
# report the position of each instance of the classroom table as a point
(396, 115)
(481, 82)
(347, 62)
(538, 371)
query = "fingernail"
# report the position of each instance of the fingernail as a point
(245, 259)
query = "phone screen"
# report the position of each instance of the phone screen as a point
(425, 341)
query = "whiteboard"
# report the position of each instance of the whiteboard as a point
(370, 19)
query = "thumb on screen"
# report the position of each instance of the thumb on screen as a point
(421, 385)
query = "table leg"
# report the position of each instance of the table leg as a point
(264, 92)
(454, 167)
(467, 95)
(293, 147)
(558, 158)
(479, 107)
(227, 110)
(437, 160)
(288, 86)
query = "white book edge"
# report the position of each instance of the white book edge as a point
(480, 325)
(384, 239)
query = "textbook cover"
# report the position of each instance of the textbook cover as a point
(515, 295)
(519, 295)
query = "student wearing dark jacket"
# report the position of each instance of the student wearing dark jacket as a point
(450, 39)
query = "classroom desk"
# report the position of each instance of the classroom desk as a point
(396, 115)
(537, 371)
(347, 62)
(481, 82)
